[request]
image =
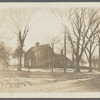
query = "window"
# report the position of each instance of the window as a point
(33, 62)
(29, 62)
(36, 62)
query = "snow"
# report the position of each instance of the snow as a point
(43, 81)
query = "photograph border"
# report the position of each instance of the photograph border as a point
(74, 96)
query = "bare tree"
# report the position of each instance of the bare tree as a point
(90, 50)
(82, 19)
(19, 22)
(52, 40)
(63, 17)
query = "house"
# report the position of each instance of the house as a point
(42, 56)
(59, 61)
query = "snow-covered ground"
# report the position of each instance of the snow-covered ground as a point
(43, 80)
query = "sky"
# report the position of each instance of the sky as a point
(43, 21)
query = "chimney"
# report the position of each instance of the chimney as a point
(61, 51)
(36, 44)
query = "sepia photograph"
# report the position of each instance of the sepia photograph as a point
(50, 49)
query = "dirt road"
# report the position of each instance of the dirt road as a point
(39, 82)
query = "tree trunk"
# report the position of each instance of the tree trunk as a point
(65, 53)
(65, 44)
(73, 57)
(90, 67)
(99, 56)
(52, 69)
(77, 69)
(20, 58)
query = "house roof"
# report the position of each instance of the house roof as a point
(40, 47)
(59, 56)
(46, 46)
